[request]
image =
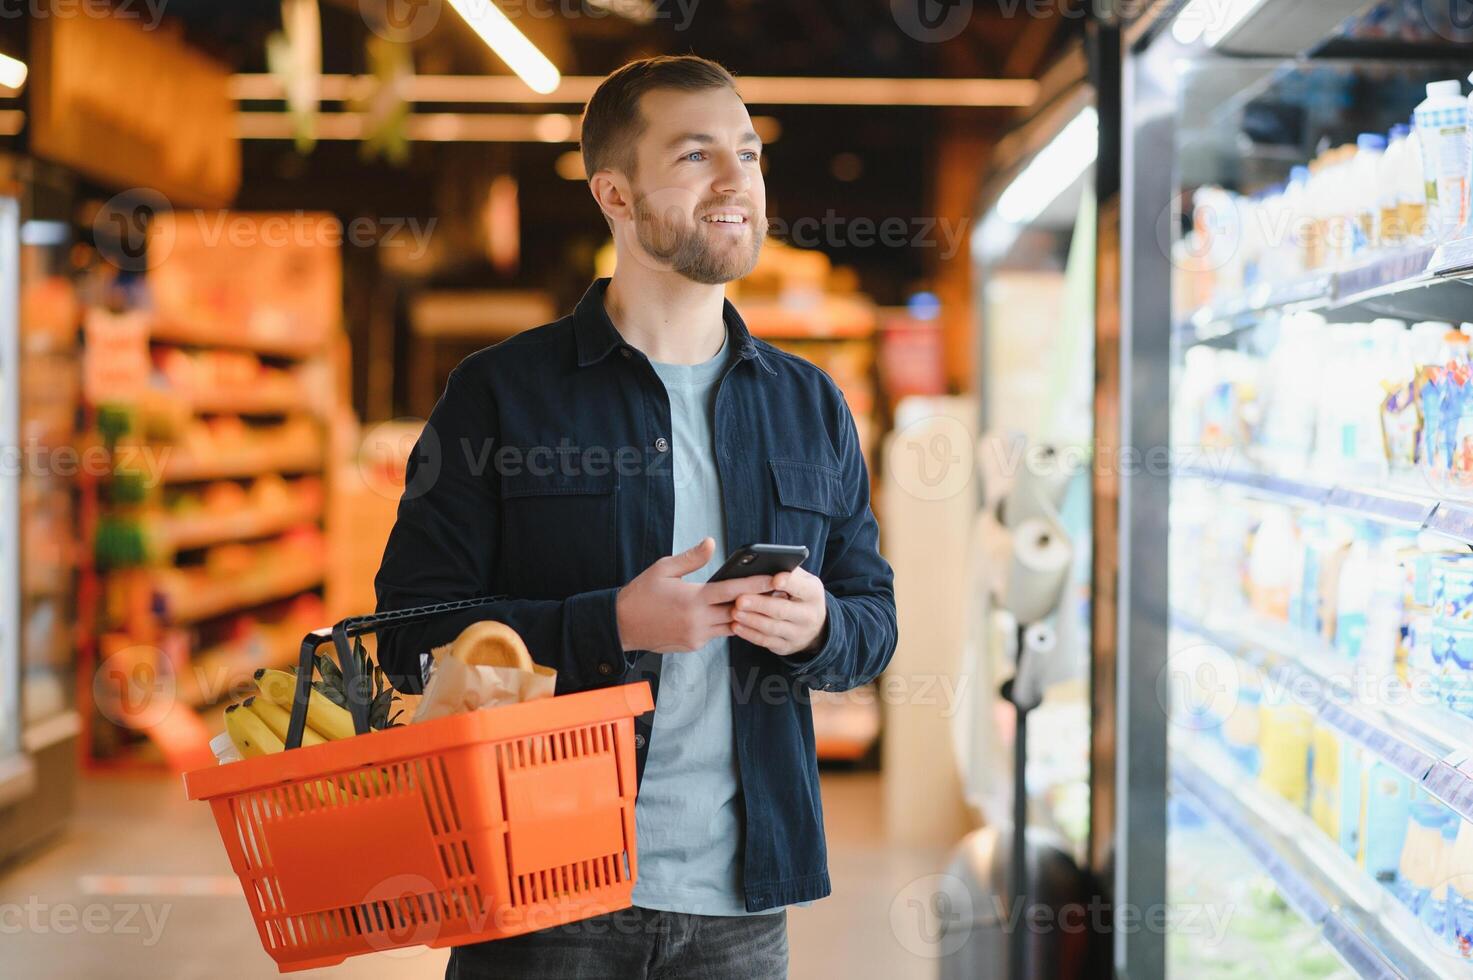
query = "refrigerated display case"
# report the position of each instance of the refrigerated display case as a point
(39, 366)
(16, 775)
(1294, 716)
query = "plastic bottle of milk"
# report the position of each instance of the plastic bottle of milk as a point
(1290, 241)
(1390, 233)
(1411, 191)
(1365, 178)
(1442, 129)
(1338, 206)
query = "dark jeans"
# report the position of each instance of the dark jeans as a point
(635, 944)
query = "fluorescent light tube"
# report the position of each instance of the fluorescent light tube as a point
(13, 72)
(1053, 171)
(510, 44)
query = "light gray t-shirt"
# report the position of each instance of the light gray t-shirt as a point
(689, 811)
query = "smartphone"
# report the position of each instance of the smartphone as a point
(761, 559)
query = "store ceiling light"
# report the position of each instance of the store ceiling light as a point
(555, 127)
(965, 93)
(569, 166)
(510, 44)
(1212, 20)
(1062, 162)
(433, 127)
(13, 73)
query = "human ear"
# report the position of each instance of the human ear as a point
(611, 193)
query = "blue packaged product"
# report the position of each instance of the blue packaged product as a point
(1421, 580)
(1387, 804)
(1434, 394)
(1351, 790)
(1457, 676)
(1455, 601)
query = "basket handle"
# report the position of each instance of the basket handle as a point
(356, 687)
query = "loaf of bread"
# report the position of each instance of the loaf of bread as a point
(491, 644)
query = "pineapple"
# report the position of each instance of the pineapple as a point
(382, 711)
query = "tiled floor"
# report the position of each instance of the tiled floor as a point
(72, 911)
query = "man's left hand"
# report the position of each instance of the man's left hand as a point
(788, 621)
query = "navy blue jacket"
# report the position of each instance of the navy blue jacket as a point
(544, 474)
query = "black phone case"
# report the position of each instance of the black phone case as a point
(764, 562)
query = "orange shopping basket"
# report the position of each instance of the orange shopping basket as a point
(459, 830)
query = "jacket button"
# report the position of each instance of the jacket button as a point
(662, 444)
(605, 669)
(639, 741)
(628, 354)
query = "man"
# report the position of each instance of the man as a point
(596, 471)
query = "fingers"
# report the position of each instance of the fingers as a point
(717, 615)
(760, 629)
(689, 560)
(766, 605)
(724, 592)
(800, 583)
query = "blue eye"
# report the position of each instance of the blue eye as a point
(695, 156)
(750, 156)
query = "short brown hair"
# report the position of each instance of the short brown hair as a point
(612, 123)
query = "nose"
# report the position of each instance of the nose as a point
(732, 176)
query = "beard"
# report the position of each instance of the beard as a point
(690, 251)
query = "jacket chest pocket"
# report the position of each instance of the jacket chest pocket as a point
(559, 534)
(808, 496)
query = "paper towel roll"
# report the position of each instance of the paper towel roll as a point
(1040, 638)
(1038, 487)
(1040, 646)
(1038, 572)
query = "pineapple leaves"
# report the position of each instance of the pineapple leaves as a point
(376, 688)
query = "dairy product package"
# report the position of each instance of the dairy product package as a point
(1284, 748)
(1385, 808)
(1442, 129)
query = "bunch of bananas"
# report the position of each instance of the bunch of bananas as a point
(258, 724)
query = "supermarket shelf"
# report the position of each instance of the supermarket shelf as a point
(830, 319)
(1408, 505)
(1427, 744)
(220, 670)
(1390, 50)
(267, 399)
(1215, 323)
(181, 469)
(1424, 283)
(196, 335)
(218, 598)
(1359, 919)
(184, 533)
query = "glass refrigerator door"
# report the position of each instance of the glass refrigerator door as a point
(1296, 691)
(48, 413)
(16, 775)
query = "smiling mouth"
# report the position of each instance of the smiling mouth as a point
(725, 219)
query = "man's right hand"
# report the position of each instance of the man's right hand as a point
(660, 612)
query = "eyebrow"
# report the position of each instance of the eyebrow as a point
(706, 139)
